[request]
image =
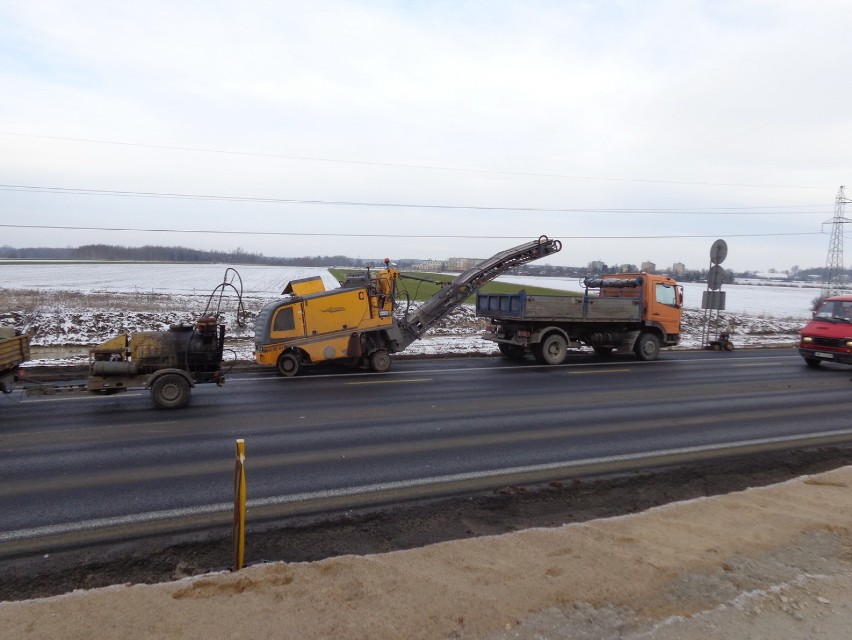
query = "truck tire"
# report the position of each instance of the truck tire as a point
(512, 351)
(170, 391)
(287, 364)
(554, 349)
(813, 363)
(380, 361)
(647, 347)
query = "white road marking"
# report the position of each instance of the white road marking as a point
(224, 507)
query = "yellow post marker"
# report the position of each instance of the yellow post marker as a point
(240, 506)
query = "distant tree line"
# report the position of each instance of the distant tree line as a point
(152, 253)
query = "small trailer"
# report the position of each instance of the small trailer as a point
(168, 363)
(14, 351)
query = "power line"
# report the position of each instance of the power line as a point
(390, 235)
(401, 165)
(353, 203)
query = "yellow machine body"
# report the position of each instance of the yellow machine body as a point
(327, 325)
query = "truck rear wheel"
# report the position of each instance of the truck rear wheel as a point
(287, 365)
(170, 391)
(554, 349)
(512, 351)
(380, 361)
(647, 347)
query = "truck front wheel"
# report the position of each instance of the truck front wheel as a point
(813, 363)
(170, 391)
(647, 347)
(552, 350)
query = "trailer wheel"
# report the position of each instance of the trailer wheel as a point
(170, 391)
(512, 351)
(380, 361)
(287, 364)
(554, 349)
(647, 347)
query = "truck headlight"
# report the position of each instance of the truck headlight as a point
(807, 339)
(849, 343)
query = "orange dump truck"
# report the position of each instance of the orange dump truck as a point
(630, 312)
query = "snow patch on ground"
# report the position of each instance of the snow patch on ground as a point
(72, 307)
(76, 320)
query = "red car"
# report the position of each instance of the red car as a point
(828, 337)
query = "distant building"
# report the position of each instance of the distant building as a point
(430, 265)
(678, 269)
(649, 267)
(462, 264)
(450, 264)
(597, 266)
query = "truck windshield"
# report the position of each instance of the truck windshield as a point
(835, 310)
(666, 294)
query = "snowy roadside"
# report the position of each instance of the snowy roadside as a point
(67, 324)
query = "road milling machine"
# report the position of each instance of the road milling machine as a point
(357, 324)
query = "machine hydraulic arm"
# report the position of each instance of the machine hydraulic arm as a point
(416, 323)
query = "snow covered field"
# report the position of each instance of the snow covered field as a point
(764, 300)
(75, 305)
(173, 279)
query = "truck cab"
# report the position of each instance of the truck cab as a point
(662, 298)
(828, 336)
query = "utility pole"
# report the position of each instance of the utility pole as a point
(834, 280)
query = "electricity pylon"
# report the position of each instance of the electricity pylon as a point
(834, 280)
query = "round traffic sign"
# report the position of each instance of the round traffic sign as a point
(718, 252)
(715, 277)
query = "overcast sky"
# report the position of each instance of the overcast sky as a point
(632, 130)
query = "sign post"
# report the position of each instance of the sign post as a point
(714, 298)
(240, 506)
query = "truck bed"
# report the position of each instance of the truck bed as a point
(520, 307)
(13, 351)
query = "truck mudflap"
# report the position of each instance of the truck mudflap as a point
(6, 381)
(525, 342)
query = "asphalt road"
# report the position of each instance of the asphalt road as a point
(77, 469)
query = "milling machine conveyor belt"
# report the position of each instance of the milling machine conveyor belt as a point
(448, 298)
